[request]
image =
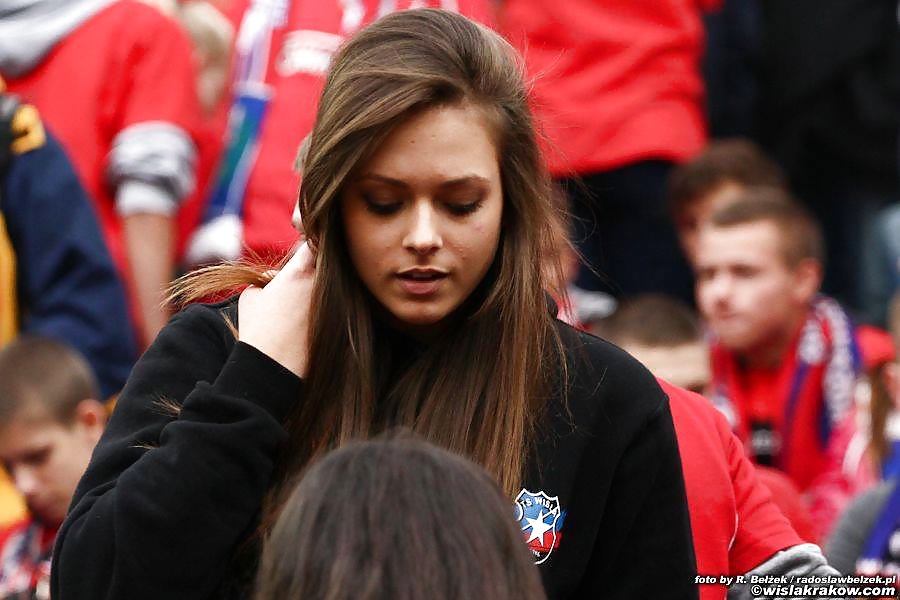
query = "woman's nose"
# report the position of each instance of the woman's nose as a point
(423, 235)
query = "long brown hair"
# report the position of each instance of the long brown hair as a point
(396, 519)
(478, 390)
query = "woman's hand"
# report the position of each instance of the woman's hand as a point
(275, 319)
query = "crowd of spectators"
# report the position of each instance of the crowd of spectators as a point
(730, 170)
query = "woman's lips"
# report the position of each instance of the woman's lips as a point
(422, 287)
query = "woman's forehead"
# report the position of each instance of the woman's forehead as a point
(443, 145)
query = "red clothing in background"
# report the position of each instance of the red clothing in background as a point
(25, 552)
(797, 415)
(734, 522)
(105, 76)
(789, 500)
(615, 82)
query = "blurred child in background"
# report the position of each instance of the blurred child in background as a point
(51, 418)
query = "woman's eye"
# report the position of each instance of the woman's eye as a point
(464, 208)
(381, 207)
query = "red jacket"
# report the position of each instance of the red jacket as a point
(735, 524)
(615, 82)
(103, 77)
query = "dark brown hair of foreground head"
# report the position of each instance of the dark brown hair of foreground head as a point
(397, 519)
(799, 233)
(43, 376)
(725, 161)
(651, 320)
(479, 390)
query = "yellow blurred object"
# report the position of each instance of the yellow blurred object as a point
(12, 506)
(8, 304)
(28, 131)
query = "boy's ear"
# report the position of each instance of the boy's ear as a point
(808, 280)
(91, 416)
(891, 375)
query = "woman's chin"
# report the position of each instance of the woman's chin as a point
(420, 324)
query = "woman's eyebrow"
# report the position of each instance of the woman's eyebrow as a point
(382, 179)
(456, 181)
(466, 180)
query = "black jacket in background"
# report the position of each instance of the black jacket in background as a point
(166, 500)
(831, 80)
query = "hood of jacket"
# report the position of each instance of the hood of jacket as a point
(30, 29)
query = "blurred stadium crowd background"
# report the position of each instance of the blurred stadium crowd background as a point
(729, 167)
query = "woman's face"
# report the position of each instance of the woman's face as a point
(422, 217)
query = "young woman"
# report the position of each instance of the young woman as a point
(383, 508)
(417, 301)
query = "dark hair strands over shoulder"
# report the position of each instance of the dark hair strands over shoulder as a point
(480, 390)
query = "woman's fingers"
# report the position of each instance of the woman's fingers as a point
(303, 260)
(275, 318)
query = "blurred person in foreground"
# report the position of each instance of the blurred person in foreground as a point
(50, 420)
(737, 511)
(115, 80)
(391, 512)
(785, 359)
(619, 94)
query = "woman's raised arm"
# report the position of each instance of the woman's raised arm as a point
(169, 494)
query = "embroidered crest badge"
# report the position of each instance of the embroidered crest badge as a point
(541, 519)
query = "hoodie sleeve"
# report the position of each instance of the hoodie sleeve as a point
(178, 478)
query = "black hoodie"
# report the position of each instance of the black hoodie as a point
(167, 499)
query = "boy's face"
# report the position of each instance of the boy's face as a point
(45, 460)
(746, 291)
